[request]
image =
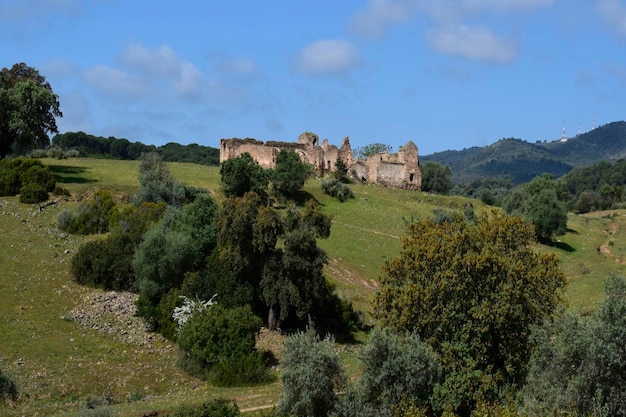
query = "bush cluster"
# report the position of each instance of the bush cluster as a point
(215, 408)
(27, 176)
(219, 344)
(54, 151)
(8, 388)
(335, 188)
(33, 193)
(105, 263)
(92, 216)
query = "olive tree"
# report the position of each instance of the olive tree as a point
(311, 374)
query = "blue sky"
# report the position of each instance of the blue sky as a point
(446, 74)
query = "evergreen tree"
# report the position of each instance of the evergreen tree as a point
(28, 110)
(472, 292)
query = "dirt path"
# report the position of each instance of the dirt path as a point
(606, 247)
(367, 230)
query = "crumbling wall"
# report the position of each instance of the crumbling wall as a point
(390, 174)
(399, 170)
(263, 154)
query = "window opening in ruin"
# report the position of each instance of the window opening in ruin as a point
(411, 177)
(327, 164)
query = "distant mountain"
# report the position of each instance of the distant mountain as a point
(604, 143)
(521, 161)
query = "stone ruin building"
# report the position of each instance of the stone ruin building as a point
(399, 170)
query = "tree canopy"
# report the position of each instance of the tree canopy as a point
(241, 175)
(28, 110)
(364, 152)
(436, 178)
(290, 173)
(472, 292)
(542, 202)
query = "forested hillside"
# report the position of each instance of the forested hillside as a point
(521, 161)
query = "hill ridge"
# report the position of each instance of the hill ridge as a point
(521, 160)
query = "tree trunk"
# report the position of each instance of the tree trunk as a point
(272, 323)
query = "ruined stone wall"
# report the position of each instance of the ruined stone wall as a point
(232, 148)
(390, 174)
(399, 170)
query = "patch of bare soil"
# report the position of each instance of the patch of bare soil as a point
(114, 314)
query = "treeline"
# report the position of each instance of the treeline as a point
(597, 187)
(120, 148)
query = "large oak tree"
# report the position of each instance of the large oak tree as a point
(472, 292)
(28, 110)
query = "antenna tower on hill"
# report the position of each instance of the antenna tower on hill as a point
(564, 135)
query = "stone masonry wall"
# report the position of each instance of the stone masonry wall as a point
(399, 170)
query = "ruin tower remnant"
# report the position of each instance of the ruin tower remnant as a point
(399, 170)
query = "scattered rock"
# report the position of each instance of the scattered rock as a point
(114, 313)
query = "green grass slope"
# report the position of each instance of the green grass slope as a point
(60, 363)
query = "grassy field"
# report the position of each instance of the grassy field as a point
(59, 364)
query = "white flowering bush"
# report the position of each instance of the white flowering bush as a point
(183, 313)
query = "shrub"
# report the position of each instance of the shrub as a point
(311, 375)
(39, 174)
(243, 370)
(105, 263)
(217, 336)
(335, 188)
(61, 191)
(16, 173)
(399, 375)
(579, 364)
(161, 261)
(158, 315)
(8, 388)
(158, 186)
(92, 216)
(216, 408)
(33, 193)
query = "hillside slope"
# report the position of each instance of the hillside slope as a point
(521, 161)
(60, 360)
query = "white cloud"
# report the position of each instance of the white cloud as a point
(165, 63)
(23, 11)
(614, 14)
(160, 61)
(504, 5)
(475, 43)
(379, 15)
(114, 83)
(190, 81)
(238, 67)
(328, 57)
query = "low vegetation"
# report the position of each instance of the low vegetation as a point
(27, 177)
